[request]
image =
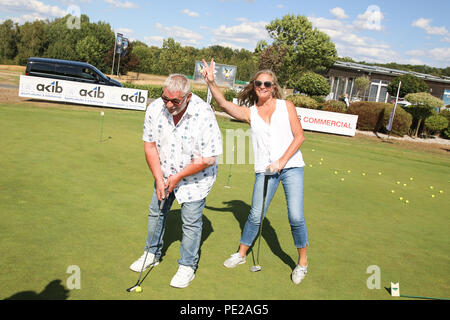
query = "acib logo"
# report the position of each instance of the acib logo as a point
(94, 93)
(135, 98)
(52, 87)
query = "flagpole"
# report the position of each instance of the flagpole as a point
(391, 119)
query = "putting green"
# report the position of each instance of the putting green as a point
(67, 199)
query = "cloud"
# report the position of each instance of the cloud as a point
(31, 7)
(339, 13)
(370, 20)
(349, 43)
(184, 36)
(424, 24)
(245, 34)
(190, 13)
(416, 53)
(440, 55)
(122, 4)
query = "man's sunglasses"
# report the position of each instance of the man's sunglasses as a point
(267, 84)
(175, 102)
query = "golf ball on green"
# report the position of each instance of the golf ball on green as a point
(138, 289)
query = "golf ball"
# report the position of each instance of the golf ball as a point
(398, 182)
(393, 191)
(379, 173)
(349, 171)
(441, 191)
(363, 173)
(401, 198)
(431, 187)
(138, 289)
(433, 196)
(342, 179)
(404, 184)
(411, 178)
(406, 201)
(335, 172)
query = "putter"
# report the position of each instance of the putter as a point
(257, 267)
(161, 206)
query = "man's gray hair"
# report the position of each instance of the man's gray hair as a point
(178, 82)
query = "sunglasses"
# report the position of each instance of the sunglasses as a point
(267, 84)
(175, 102)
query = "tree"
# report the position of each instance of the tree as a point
(8, 40)
(362, 84)
(313, 84)
(422, 107)
(308, 48)
(32, 41)
(410, 84)
(273, 58)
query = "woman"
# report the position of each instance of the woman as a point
(276, 136)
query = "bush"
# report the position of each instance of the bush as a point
(334, 106)
(402, 121)
(374, 116)
(436, 123)
(302, 101)
(370, 115)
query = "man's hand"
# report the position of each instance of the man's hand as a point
(172, 182)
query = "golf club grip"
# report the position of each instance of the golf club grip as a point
(163, 201)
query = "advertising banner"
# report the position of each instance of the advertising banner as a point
(82, 93)
(119, 40)
(225, 75)
(329, 122)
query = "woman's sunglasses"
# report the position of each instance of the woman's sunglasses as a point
(267, 84)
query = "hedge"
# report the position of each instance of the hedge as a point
(374, 116)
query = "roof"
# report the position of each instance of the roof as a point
(388, 71)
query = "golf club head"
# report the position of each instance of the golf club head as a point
(131, 289)
(255, 268)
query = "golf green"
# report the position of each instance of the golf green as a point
(75, 190)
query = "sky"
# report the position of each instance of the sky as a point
(401, 31)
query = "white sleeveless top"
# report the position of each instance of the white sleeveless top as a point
(270, 142)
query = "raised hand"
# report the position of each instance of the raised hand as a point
(208, 71)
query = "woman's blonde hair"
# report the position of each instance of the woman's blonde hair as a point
(248, 95)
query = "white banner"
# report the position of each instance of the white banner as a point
(82, 93)
(330, 122)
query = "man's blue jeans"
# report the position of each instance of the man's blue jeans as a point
(191, 216)
(292, 180)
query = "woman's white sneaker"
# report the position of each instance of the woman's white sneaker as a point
(299, 274)
(183, 277)
(150, 261)
(234, 260)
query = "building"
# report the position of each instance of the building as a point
(343, 74)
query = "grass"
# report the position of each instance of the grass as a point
(67, 199)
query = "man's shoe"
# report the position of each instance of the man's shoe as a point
(150, 261)
(183, 277)
(234, 260)
(299, 274)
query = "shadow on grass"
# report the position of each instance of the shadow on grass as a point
(240, 211)
(174, 233)
(53, 291)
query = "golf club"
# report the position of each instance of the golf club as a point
(161, 206)
(257, 267)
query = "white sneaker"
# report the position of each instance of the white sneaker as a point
(234, 260)
(150, 261)
(183, 277)
(299, 274)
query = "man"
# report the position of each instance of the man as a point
(182, 144)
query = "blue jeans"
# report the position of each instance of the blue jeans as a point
(191, 216)
(292, 180)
